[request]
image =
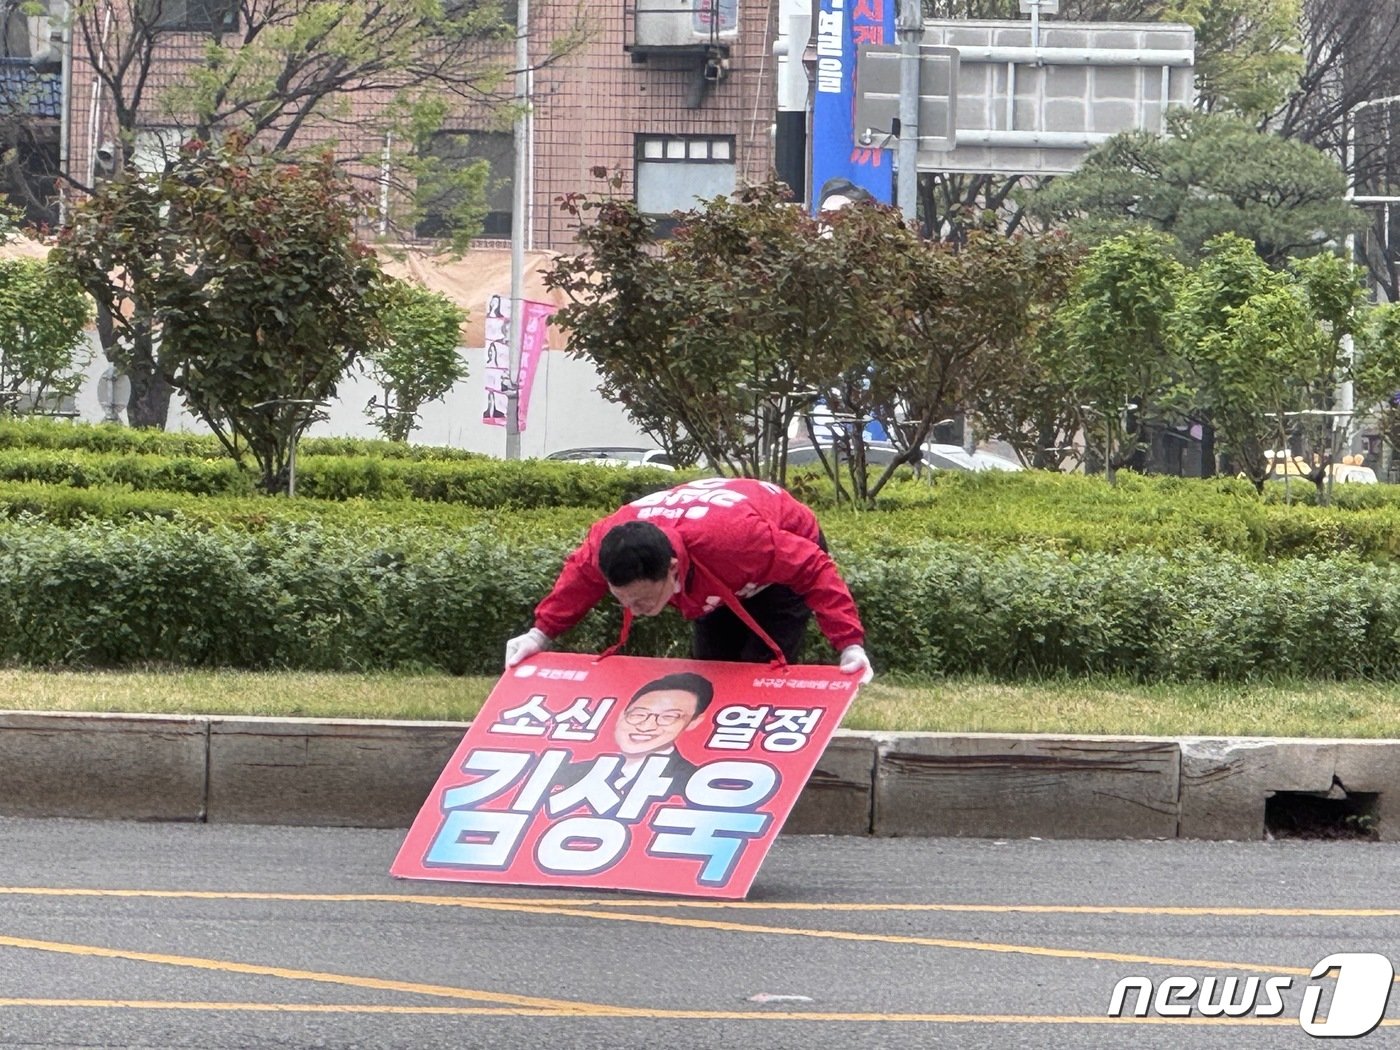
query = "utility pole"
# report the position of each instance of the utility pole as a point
(909, 29)
(519, 226)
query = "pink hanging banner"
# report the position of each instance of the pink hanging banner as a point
(532, 343)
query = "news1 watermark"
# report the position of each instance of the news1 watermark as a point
(1359, 996)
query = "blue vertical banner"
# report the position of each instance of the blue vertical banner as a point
(842, 169)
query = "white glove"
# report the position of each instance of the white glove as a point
(526, 645)
(854, 661)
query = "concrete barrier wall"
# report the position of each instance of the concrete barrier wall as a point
(377, 774)
(1225, 784)
(346, 772)
(1018, 786)
(115, 767)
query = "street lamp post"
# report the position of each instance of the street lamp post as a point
(1346, 395)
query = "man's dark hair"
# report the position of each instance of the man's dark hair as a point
(632, 551)
(686, 681)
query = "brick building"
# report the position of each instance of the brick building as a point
(676, 96)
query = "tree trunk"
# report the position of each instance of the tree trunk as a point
(149, 403)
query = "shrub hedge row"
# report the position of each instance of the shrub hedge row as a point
(112, 437)
(311, 596)
(1065, 513)
(481, 482)
(59, 505)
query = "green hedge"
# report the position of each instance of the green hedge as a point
(113, 438)
(33, 502)
(1068, 514)
(311, 596)
(483, 483)
(486, 483)
(1072, 513)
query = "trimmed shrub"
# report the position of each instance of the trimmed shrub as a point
(305, 595)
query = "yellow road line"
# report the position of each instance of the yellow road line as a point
(553, 907)
(670, 902)
(895, 938)
(621, 1012)
(527, 1002)
(282, 1008)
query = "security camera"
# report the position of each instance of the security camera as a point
(716, 68)
(106, 153)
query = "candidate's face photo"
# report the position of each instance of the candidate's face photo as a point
(654, 720)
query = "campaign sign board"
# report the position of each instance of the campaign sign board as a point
(669, 776)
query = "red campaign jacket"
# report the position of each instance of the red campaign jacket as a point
(747, 533)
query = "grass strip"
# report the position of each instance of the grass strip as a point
(1057, 706)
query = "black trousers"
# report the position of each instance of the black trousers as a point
(779, 610)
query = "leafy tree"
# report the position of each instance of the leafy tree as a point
(1247, 52)
(43, 347)
(1211, 175)
(1335, 294)
(1030, 403)
(417, 361)
(1116, 347)
(373, 80)
(1250, 343)
(246, 283)
(1377, 369)
(966, 309)
(718, 340)
(715, 340)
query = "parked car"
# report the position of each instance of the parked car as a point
(1354, 474)
(616, 456)
(1350, 471)
(955, 457)
(935, 455)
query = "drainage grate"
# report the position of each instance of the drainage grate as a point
(1310, 815)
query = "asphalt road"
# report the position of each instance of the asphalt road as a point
(165, 936)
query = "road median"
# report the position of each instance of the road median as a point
(376, 773)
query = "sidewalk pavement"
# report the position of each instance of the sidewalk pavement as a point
(361, 773)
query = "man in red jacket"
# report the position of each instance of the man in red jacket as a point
(719, 550)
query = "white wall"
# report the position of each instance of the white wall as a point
(566, 410)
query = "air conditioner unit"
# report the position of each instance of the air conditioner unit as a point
(685, 24)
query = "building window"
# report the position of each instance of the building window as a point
(674, 172)
(195, 16)
(442, 202)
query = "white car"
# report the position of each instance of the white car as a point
(936, 456)
(955, 457)
(616, 456)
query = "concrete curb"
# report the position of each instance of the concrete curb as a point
(361, 773)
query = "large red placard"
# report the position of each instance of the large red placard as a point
(621, 773)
